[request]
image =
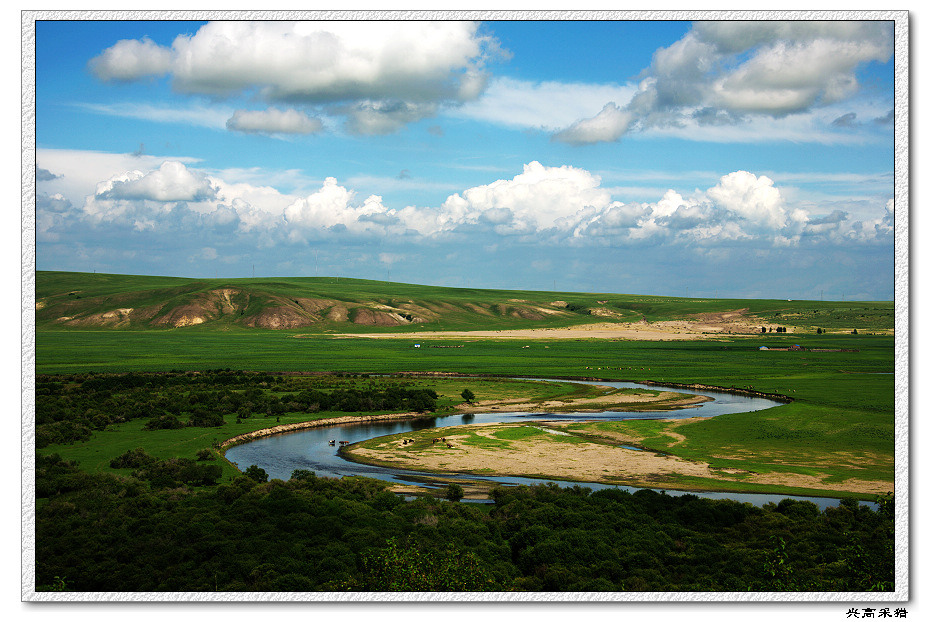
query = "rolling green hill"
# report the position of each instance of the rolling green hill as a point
(73, 300)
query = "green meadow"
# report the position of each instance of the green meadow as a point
(841, 412)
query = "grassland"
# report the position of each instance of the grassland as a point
(840, 422)
(321, 305)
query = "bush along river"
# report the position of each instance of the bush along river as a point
(317, 449)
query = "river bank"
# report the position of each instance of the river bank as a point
(583, 452)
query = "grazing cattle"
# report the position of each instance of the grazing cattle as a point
(332, 442)
(343, 442)
(449, 445)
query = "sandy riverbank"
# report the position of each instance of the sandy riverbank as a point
(543, 455)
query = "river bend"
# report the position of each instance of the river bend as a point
(279, 455)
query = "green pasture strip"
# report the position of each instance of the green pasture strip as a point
(737, 363)
(473, 439)
(517, 432)
(796, 427)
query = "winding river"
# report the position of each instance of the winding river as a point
(309, 448)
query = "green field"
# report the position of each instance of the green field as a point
(842, 397)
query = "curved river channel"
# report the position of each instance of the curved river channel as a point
(309, 449)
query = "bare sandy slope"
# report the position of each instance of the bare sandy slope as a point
(706, 326)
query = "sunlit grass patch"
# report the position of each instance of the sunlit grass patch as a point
(518, 432)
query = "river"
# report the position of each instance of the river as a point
(309, 449)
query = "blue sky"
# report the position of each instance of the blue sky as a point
(725, 158)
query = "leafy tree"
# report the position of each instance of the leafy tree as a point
(468, 395)
(454, 492)
(257, 473)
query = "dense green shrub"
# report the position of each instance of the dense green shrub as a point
(164, 530)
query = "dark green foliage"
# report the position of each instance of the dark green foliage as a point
(179, 471)
(164, 422)
(61, 432)
(454, 492)
(468, 395)
(310, 533)
(132, 459)
(409, 568)
(202, 418)
(257, 473)
(70, 407)
(302, 474)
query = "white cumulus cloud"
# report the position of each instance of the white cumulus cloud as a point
(172, 181)
(397, 70)
(756, 199)
(131, 59)
(723, 73)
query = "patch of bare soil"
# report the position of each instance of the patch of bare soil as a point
(705, 326)
(539, 456)
(372, 317)
(314, 305)
(280, 317)
(338, 313)
(116, 318)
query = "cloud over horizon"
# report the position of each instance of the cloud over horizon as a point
(553, 205)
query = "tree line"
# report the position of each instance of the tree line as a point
(159, 530)
(69, 408)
